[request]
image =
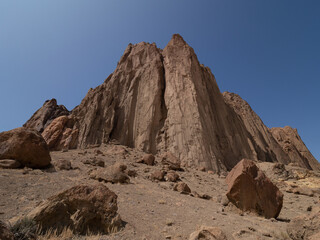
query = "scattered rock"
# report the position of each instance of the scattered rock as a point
(97, 152)
(250, 190)
(131, 173)
(82, 209)
(172, 176)
(9, 163)
(94, 162)
(202, 196)
(63, 164)
(182, 188)
(148, 159)
(113, 174)
(208, 233)
(305, 226)
(157, 175)
(25, 146)
(170, 161)
(5, 233)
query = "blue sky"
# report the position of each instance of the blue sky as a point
(266, 51)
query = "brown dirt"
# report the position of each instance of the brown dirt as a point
(152, 210)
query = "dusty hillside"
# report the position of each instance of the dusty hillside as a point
(152, 209)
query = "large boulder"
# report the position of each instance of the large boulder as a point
(25, 146)
(5, 233)
(250, 190)
(81, 209)
(305, 227)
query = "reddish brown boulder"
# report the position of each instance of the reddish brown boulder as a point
(250, 190)
(172, 176)
(81, 209)
(5, 233)
(25, 146)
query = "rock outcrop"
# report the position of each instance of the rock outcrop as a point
(293, 146)
(250, 190)
(26, 146)
(268, 149)
(45, 115)
(166, 101)
(82, 209)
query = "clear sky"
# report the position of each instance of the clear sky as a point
(266, 51)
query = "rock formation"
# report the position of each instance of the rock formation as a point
(166, 101)
(82, 209)
(250, 190)
(293, 146)
(26, 146)
(268, 149)
(46, 114)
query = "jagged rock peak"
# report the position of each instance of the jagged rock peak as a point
(292, 144)
(45, 115)
(163, 101)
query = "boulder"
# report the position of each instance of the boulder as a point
(147, 159)
(172, 176)
(5, 233)
(208, 233)
(82, 209)
(182, 187)
(94, 161)
(114, 174)
(250, 190)
(170, 161)
(157, 175)
(305, 227)
(25, 146)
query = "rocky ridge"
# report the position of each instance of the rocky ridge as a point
(166, 101)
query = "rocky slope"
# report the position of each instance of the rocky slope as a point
(293, 146)
(166, 101)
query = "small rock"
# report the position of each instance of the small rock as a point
(182, 188)
(208, 233)
(157, 175)
(63, 164)
(148, 159)
(172, 176)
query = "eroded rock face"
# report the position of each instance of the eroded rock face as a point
(250, 190)
(45, 115)
(163, 101)
(268, 149)
(293, 146)
(25, 146)
(82, 209)
(61, 134)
